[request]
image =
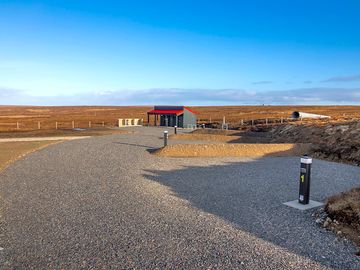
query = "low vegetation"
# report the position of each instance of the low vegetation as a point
(344, 212)
(11, 151)
(61, 133)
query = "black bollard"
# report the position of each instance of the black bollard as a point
(166, 134)
(305, 173)
(175, 129)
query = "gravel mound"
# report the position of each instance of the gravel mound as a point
(233, 150)
(205, 137)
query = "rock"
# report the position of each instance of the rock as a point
(339, 233)
(326, 224)
(318, 221)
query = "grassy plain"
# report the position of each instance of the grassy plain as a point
(22, 118)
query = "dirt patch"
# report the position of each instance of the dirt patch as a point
(232, 150)
(223, 132)
(246, 137)
(204, 137)
(11, 151)
(344, 214)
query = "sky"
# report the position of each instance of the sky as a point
(184, 52)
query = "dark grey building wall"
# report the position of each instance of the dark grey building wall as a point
(189, 118)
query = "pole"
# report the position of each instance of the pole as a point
(103, 124)
(266, 121)
(56, 125)
(305, 173)
(252, 122)
(175, 129)
(17, 125)
(282, 120)
(39, 126)
(89, 124)
(166, 134)
(73, 124)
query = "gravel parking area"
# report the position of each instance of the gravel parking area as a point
(108, 203)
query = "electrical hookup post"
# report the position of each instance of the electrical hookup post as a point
(305, 179)
(303, 202)
(166, 136)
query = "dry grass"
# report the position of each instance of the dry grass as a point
(345, 208)
(61, 133)
(29, 116)
(11, 151)
(236, 113)
(232, 150)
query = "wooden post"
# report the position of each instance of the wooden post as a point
(210, 120)
(266, 121)
(56, 125)
(89, 124)
(242, 122)
(17, 125)
(252, 122)
(73, 124)
(39, 126)
(282, 120)
(103, 124)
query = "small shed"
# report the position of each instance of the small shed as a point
(171, 116)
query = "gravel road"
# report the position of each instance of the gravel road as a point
(107, 203)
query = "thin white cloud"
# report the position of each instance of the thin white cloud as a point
(190, 97)
(343, 78)
(263, 82)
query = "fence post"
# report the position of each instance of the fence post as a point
(89, 124)
(73, 124)
(103, 124)
(281, 120)
(252, 122)
(17, 125)
(39, 126)
(242, 122)
(56, 125)
(266, 121)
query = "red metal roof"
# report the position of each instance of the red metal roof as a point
(177, 112)
(189, 110)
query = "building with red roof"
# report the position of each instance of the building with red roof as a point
(171, 116)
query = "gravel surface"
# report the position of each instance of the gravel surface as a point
(233, 150)
(107, 203)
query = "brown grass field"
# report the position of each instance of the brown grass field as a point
(28, 117)
(11, 151)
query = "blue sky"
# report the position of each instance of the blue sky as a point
(167, 52)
